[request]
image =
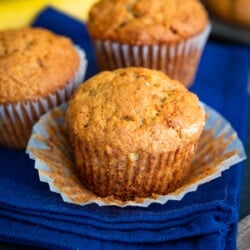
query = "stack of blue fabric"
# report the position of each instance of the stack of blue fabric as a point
(206, 219)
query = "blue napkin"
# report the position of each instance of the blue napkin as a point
(206, 219)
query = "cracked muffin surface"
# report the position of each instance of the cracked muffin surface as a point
(140, 108)
(34, 62)
(146, 21)
(134, 132)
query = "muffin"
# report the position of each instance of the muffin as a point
(166, 35)
(38, 70)
(236, 12)
(134, 132)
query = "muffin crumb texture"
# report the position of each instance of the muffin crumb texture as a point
(146, 21)
(134, 132)
(31, 63)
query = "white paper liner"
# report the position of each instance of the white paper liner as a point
(18, 118)
(178, 60)
(219, 149)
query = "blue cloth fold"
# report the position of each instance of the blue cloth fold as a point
(31, 214)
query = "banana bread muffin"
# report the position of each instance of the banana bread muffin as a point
(38, 70)
(134, 132)
(167, 35)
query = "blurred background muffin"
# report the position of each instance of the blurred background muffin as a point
(167, 35)
(38, 70)
(134, 132)
(233, 11)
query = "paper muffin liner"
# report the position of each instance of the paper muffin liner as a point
(178, 60)
(219, 149)
(139, 174)
(18, 118)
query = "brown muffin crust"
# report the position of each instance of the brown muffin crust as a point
(134, 132)
(33, 63)
(146, 21)
(134, 108)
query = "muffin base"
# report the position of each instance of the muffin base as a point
(18, 118)
(219, 149)
(178, 60)
(135, 175)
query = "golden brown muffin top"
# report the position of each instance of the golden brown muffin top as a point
(33, 63)
(134, 109)
(146, 21)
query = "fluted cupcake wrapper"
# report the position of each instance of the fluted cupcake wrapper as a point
(18, 118)
(179, 60)
(219, 149)
(139, 174)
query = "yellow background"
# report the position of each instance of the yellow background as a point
(18, 13)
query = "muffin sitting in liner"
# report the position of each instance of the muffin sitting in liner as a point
(134, 132)
(167, 35)
(38, 70)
